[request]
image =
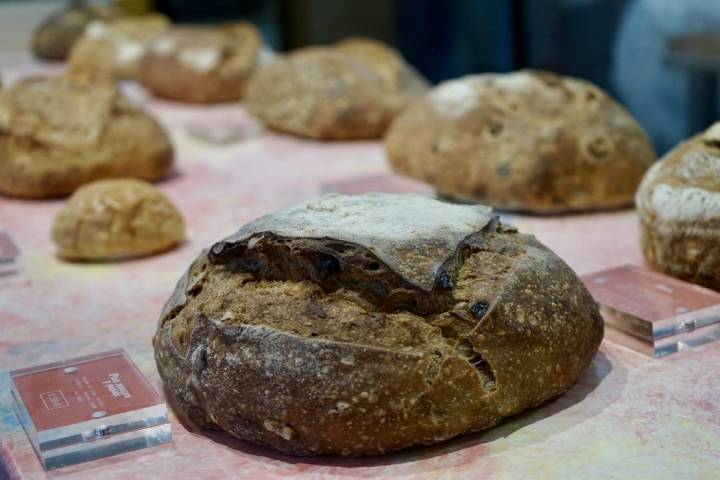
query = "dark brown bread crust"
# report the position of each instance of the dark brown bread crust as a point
(316, 346)
(526, 141)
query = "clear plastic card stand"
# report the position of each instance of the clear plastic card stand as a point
(87, 408)
(653, 313)
(9, 257)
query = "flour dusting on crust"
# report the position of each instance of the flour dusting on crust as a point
(455, 98)
(200, 59)
(685, 204)
(414, 235)
(712, 134)
(515, 81)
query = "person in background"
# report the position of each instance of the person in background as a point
(657, 93)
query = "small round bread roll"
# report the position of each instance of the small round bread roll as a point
(528, 141)
(54, 39)
(116, 219)
(58, 133)
(115, 49)
(345, 92)
(679, 207)
(358, 325)
(201, 64)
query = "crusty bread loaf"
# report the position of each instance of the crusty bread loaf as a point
(349, 91)
(115, 49)
(58, 133)
(529, 141)
(202, 64)
(55, 37)
(395, 73)
(116, 219)
(679, 207)
(358, 325)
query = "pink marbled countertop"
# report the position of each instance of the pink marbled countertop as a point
(629, 416)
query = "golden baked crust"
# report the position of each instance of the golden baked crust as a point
(679, 207)
(350, 91)
(116, 219)
(55, 37)
(58, 133)
(292, 335)
(529, 141)
(115, 49)
(394, 72)
(202, 64)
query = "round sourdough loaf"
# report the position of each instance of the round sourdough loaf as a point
(58, 133)
(202, 64)
(528, 141)
(352, 90)
(116, 219)
(358, 325)
(679, 207)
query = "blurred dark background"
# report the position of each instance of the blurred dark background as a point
(634, 49)
(620, 45)
(442, 38)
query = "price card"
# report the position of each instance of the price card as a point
(90, 407)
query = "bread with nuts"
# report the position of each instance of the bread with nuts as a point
(528, 141)
(357, 325)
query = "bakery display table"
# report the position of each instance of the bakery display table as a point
(629, 416)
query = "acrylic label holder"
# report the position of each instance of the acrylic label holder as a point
(9, 255)
(86, 408)
(653, 313)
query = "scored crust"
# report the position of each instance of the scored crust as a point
(346, 92)
(313, 344)
(116, 219)
(202, 64)
(679, 207)
(58, 133)
(529, 141)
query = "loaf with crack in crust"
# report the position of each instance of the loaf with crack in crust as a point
(358, 325)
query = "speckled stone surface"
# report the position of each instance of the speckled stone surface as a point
(629, 416)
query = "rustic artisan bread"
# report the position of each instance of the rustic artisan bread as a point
(387, 63)
(55, 37)
(201, 64)
(349, 91)
(679, 207)
(58, 133)
(115, 49)
(116, 219)
(358, 325)
(529, 141)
